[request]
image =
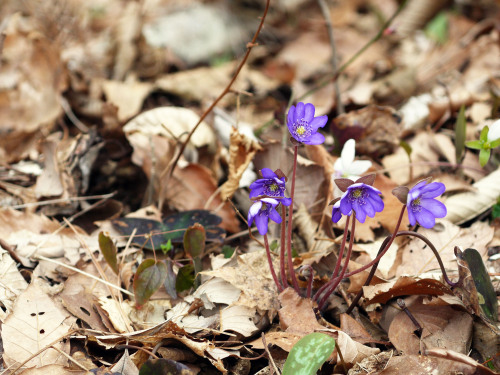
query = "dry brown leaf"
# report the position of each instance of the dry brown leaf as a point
(417, 258)
(12, 285)
(403, 286)
(354, 329)
(193, 187)
(53, 370)
(422, 365)
(127, 96)
(36, 321)
(296, 314)
(465, 206)
(49, 184)
(460, 358)
(443, 327)
(241, 152)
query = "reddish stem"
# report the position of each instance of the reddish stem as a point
(282, 249)
(289, 231)
(339, 259)
(334, 283)
(271, 266)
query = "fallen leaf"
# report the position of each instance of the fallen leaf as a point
(12, 285)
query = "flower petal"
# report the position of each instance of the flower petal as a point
(434, 206)
(359, 210)
(433, 190)
(358, 167)
(318, 122)
(291, 116)
(494, 131)
(345, 205)
(261, 222)
(336, 214)
(376, 202)
(268, 173)
(347, 155)
(425, 218)
(369, 208)
(411, 216)
(286, 201)
(309, 112)
(299, 111)
(314, 139)
(274, 216)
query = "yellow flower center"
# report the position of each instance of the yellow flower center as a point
(357, 193)
(273, 187)
(416, 202)
(300, 130)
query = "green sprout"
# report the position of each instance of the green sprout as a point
(488, 139)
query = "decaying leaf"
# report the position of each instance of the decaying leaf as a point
(12, 285)
(241, 152)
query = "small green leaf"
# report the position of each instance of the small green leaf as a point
(484, 156)
(164, 366)
(476, 145)
(228, 251)
(495, 143)
(147, 280)
(483, 137)
(273, 246)
(108, 250)
(460, 126)
(194, 240)
(308, 354)
(166, 247)
(406, 146)
(482, 280)
(437, 28)
(495, 213)
(185, 278)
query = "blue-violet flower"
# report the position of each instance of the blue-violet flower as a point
(271, 186)
(261, 211)
(303, 126)
(422, 207)
(364, 199)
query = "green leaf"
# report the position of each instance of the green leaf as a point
(484, 156)
(185, 278)
(273, 246)
(165, 248)
(172, 227)
(147, 280)
(482, 280)
(228, 251)
(308, 354)
(495, 143)
(164, 366)
(406, 146)
(495, 213)
(476, 145)
(460, 126)
(484, 134)
(194, 240)
(437, 28)
(108, 250)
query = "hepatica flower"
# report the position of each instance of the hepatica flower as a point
(261, 211)
(361, 198)
(422, 205)
(346, 166)
(271, 185)
(303, 126)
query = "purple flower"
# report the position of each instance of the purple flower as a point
(364, 199)
(422, 207)
(304, 126)
(271, 186)
(261, 211)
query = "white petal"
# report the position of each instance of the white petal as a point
(337, 167)
(358, 167)
(347, 154)
(255, 208)
(494, 132)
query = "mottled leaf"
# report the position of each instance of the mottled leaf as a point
(108, 250)
(164, 366)
(308, 354)
(482, 280)
(185, 278)
(172, 228)
(194, 240)
(148, 279)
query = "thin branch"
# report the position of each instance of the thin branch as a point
(171, 167)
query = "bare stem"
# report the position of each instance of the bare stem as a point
(289, 231)
(283, 247)
(334, 283)
(271, 266)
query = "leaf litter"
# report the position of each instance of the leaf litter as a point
(99, 114)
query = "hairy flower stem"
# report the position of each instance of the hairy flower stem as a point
(339, 259)
(282, 248)
(382, 249)
(289, 231)
(271, 267)
(334, 283)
